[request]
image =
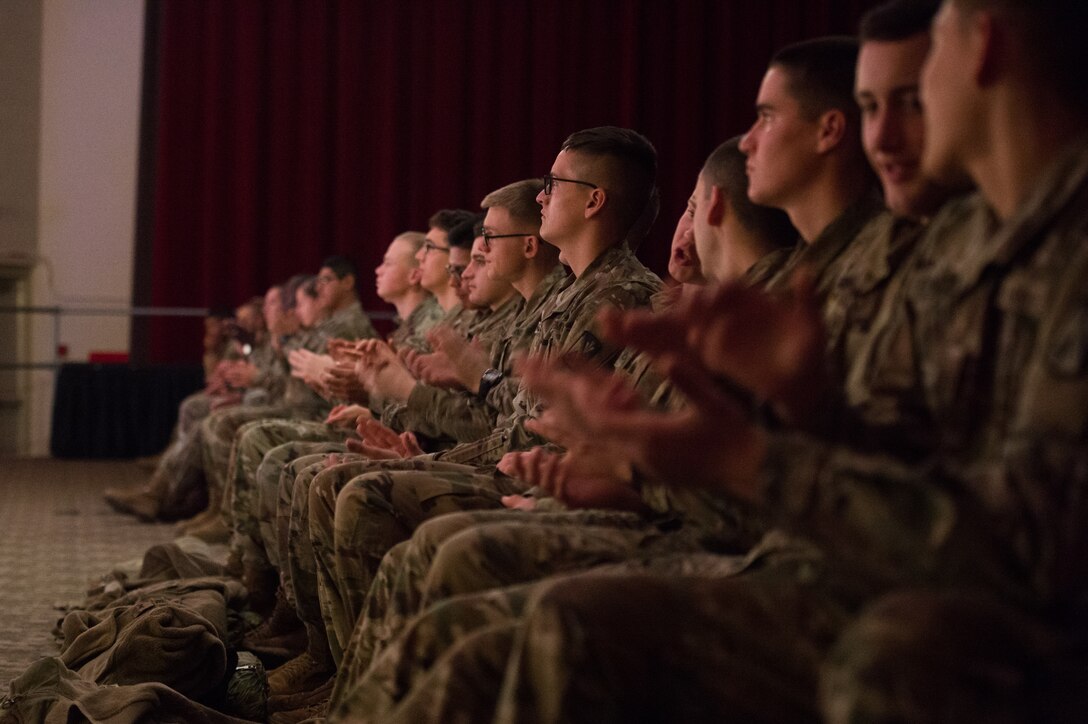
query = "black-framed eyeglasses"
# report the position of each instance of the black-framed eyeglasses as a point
(429, 246)
(488, 237)
(549, 183)
(455, 270)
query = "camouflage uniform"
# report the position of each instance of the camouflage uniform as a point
(411, 331)
(283, 439)
(376, 511)
(439, 413)
(270, 472)
(178, 480)
(993, 324)
(256, 436)
(492, 549)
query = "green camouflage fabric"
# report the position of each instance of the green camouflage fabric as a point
(992, 320)
(217, 434)
(425, 488)
(350, 322)
(411, 332)
(994, 664)
(461, 318)
(615, 278)
(275, 463)
(473, 551)
(442, 413)
(519, 337)
(447, 664)
(303, 465)
(241, 505)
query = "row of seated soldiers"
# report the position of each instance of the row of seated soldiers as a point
(837, 472)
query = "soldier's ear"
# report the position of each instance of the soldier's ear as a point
(532, 246)
(595, 202)
(415, 277)
(832, 130)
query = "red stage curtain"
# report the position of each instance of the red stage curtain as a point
(286, 130)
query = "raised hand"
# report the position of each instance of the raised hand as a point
(771, 344)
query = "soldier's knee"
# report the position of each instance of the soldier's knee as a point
(913, 655)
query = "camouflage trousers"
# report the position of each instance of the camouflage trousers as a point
(178, 479)
(448, 663)
(253, 441)
(389, 511)
(191, 412)
(282, 462)
(930, 656)
(217, 439)
(767, 641)
(293, 522)
(475, 551)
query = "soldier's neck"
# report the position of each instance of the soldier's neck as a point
(528, 282)
(408, 303)
(1021, 140)
(825, 200)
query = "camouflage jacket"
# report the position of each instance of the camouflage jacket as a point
(567, 325)
(439, 413)
(350, 322)
(987, 339)
(411, 332)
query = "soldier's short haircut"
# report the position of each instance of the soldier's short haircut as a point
(820, 75)
(341, 266)
(725, 168)
(1054, 31)
(446, 219)
(897, 20)
(519, 200)
(633, 163)
(462, 235)
(414, 240)
(289, 291)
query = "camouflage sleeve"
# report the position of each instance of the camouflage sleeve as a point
(501, 397)
(585, 339)
(1011, 526)
(440, 413)
(352, 323)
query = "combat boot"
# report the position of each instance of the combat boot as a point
(140, 502)
(201, 519)
(302, 674)
(282, 634)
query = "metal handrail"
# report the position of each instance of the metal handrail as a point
(58, 311)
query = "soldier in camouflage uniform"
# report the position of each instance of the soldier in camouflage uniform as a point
(606, 275)
(463, 561)
(221, 463)
(451, 410)
(533, 271)
(178, 480)
(992, 526)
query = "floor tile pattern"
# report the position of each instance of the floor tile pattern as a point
(57, 535)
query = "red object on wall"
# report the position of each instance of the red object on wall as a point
(287, 130)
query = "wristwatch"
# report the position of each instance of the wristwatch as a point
(488, 380)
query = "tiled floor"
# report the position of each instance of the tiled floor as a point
(56, 535)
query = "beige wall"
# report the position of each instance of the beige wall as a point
(91, 62)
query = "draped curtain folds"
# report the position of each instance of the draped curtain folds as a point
(287, 130)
